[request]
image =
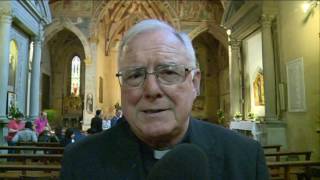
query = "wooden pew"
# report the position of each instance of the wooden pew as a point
(288, 166)
(276, 147)
(56, 150)
(18, 171)
(30, 167)
(45, 166)
(277, 155)
(47, 144)
(46, 158)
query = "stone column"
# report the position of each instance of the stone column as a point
(275, 130)
(35, 79)
(235, 77)
(5, 25)
(268, 69)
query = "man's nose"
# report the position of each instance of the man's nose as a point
(151, 86)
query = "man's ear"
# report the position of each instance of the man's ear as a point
(196, 82)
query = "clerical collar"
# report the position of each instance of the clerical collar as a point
(158, 154)
(150, 156)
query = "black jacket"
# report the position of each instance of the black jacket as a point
(114, 154)
(96, 124)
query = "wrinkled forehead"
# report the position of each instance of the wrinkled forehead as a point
(154, 43)
(154, 38)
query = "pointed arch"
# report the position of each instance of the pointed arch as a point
(217, 33)
(118, 16)
(57, 26)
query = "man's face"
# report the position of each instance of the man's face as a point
(118, 113)
(158, 112)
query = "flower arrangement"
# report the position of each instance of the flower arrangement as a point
(237, 115)
(251, 115)
(14, 112)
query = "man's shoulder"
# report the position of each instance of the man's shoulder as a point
(88, 142)
(94, 144)
(96, 118)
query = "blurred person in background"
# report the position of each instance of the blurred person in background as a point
(96, 122)
(41, 123)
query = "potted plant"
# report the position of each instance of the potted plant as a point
(14, 113)
(220, 114)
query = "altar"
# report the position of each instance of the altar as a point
(254, 128)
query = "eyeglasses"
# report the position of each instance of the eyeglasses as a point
(165, 74)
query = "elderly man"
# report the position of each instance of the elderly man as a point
(159, 82)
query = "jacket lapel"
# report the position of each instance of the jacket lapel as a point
(127, 162)
(203, 138)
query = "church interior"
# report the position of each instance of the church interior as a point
(259, 62)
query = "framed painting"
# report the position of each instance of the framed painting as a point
(258, 90)
(11, 99)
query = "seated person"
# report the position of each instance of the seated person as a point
(44, 136)
(26, 135)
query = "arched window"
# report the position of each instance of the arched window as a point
(75, 76)
(13, 59)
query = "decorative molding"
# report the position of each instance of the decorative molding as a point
(232, 18)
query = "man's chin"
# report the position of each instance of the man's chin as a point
(157, 132)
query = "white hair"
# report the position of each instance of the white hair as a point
(154, 24)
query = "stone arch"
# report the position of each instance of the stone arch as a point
(219, 34)
(212, 60)
(198, 30)
(57, 26)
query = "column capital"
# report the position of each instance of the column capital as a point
(266, 19)
(235, 43)
(39, 36)
(36, 39)
(5, 15)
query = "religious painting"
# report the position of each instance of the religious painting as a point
(13, 59)
(89, 103)
(258, 90)
(11, 99)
